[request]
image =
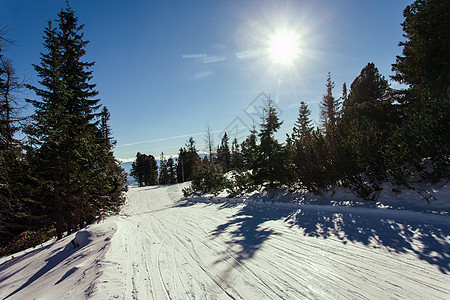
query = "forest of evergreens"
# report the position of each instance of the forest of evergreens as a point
(63, 175)
(369, 134)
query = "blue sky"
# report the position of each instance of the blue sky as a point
(165, 69)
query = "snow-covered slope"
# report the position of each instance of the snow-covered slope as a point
(58, 270)
(161, 247)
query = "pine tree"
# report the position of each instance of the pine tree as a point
(189, 162)
(355, 145)
(10, 148)
(269, 165)
(181, 165)
(49, 134)
(13, 168)
(209, 140)
(368, 93)
(171, 171)
(137, 169)
(296, 144)
(223, 153)
(425, 60)
(302, 127)
(145, 170)
(425, 105)
(110, 181)
(151, 171)
(329, 107)
(64, 133)
(105, 129)
(163, 170)
(236, 156)
(249, 150)
(344, 93)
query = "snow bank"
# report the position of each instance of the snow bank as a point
(422, 197)
(57, 269)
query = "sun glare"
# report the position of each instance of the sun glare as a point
(283, 47)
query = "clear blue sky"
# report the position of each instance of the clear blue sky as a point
(165, 69)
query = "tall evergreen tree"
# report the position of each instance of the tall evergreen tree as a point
(369, 92)
(145, 170)
(270, 160)
(64, 129)
(249, 149)
(424, 67)
(10, 148)
(329, 106)
(163, 170)
(298, 141)
(236, 156)
(223, 153)
(151, 171)
(137, 169)
(302, 126)
(14, 216)
(171, 171)
(188, 162)
(105, 129)
(209, 140)
(110, 180)
(344, 96)
(425, 62)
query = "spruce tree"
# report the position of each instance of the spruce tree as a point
(110, 180)
(171, 171)
(296, 144)
(344, 93)
(10, 148)
(151, 171)
(236, 156)
(163, 170)
(249, 150)
(270, 165)
(329, 106)
(189, 162)
(209, 140)
(302, 127)
(424, 63)
(425, 104)
(145, 170)
(181, 165)
(369, 93)
(14, 216)
(137, 169)
(64, 134)
(223, 153)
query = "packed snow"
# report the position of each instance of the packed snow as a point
(164, 247)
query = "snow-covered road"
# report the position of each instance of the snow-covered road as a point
(177, 250)
(162, 248)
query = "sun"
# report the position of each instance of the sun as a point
(283, 47)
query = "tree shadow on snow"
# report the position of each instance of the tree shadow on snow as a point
(421, 234)
(60, 255)
(246, 231)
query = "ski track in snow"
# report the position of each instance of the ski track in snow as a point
(182, 250)
(164, 248)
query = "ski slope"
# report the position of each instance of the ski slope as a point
(164, 248)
